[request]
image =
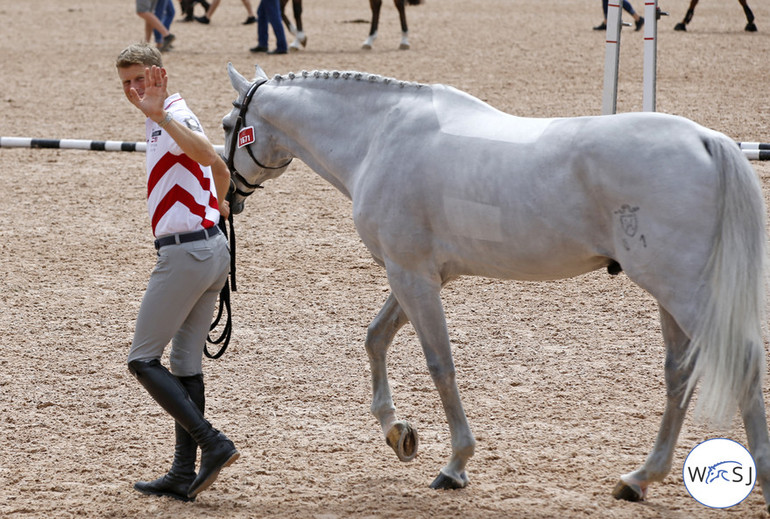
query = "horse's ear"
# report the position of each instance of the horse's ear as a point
(260, 74)
(240, 83)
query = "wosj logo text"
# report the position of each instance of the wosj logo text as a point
(727, 471)
(719, 473)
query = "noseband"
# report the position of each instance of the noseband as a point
(239, 123)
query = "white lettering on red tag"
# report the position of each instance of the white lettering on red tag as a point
(246, 136)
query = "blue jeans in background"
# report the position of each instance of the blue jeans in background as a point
(269, 11)
(165, 12)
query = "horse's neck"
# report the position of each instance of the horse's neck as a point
(330, 123)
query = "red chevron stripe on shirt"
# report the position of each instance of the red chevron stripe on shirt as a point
(178, 194)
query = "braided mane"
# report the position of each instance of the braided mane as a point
(346, 76)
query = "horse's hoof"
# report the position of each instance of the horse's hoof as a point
(444, 482)
(751, 27)
(627, 492)
(680, 27)
(406, 46)
(403, 439)
(366, 46)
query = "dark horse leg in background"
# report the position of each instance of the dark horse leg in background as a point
(297, 11)
(750, 27)
(401, 7)
(300, 37)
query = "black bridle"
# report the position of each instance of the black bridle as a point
(239, 123)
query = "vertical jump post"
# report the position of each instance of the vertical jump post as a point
(650, 55)
(612, 55)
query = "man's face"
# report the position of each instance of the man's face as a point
(132, 77)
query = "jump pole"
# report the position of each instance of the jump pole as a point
(78, 144)
(755, 150)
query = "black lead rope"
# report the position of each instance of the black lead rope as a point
(224, 298)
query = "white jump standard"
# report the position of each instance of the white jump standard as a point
(612, 55)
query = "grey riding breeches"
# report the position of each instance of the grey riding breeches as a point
(179, 302)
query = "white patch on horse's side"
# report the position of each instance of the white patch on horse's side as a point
(473, 219)
(463, 115)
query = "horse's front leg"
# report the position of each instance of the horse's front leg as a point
(750, 26)
(401, 7)
(419, 296)
(400, 435)
(633, 486)
(375, 5)
(682, 26)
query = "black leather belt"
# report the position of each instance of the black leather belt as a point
(186, 237)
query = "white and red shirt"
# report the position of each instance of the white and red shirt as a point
(181, 195)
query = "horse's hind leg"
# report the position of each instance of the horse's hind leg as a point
(398, 434)
(401, 7)
(755, 421)
(290, 26)
(300, 38)
(375, 5)
(296, 6)
(750, 26)
(633, 486)
(682, 26)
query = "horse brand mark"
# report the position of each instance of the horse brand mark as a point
(628, 219)
(246, 136)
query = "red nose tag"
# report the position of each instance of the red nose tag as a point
(246, 136)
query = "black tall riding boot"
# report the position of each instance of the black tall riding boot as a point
(182, 472)
(217, 451)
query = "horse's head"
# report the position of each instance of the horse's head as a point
(252, 156)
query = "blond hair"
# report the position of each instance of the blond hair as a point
(139, 54)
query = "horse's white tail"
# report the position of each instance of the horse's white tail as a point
(727, 347)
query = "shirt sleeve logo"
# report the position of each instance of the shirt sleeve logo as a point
(246, 136)
(193, 124)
